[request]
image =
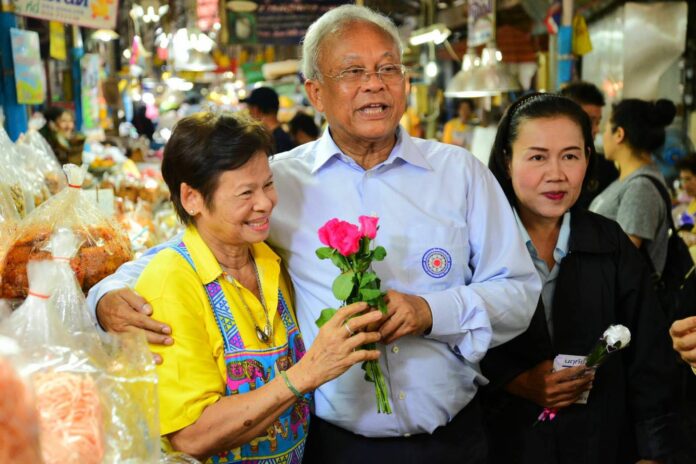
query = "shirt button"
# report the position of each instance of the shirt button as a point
(395, 349)
(402, 395)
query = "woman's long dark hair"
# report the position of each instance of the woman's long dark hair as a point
(529, 107)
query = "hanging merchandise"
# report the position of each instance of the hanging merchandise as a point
(57, 41)
(96, 14)
(481, 22)
(90, 91)
(582, 44)
(28, 70)
(104, 246)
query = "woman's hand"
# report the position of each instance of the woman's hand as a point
(336, 347)
(551, 389)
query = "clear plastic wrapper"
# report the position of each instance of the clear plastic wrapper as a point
(126, 374)
(67, 398)
(97, 402)
(33, 175)
(44, 158)
(103, 245)
(19, 421)
(177, 458)
(12, 177)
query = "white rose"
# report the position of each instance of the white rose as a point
(617, 333)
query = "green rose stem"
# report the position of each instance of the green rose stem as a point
(357, 282)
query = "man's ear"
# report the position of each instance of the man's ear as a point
(314, 90)
(619, 134)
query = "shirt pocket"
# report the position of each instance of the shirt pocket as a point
(434, 258)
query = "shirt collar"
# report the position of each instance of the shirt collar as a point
(561, 249)
(404, 149)
(207, 266)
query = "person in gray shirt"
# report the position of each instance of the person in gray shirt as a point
(636, 129)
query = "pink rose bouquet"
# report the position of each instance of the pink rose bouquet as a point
(348, 247)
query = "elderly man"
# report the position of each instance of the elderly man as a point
(458, 275)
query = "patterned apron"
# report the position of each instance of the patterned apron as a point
(248, 370)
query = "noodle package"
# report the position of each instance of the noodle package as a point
(19, 421)
(67, 398)
(103, 245)
(125, 374)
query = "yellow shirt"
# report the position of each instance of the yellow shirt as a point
(193, 374)
(456, 132)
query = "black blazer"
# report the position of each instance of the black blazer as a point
(602, 281)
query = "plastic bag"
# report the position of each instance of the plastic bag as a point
(97, 402)
(12, 177)
(127, 380)
(67, 398)
(19, 421)
(44, 159)
(103, 245)
(177, 458)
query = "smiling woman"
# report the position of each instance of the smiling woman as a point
(235, 384)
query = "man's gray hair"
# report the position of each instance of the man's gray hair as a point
(335, 21)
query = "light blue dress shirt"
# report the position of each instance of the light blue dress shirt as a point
(450, 237)
(548, 278)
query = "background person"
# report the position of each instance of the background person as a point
(459, 130)
(603, 172)
(59, 132)
(636, 129)
(540, 157)
(303, 129)
(263, 106)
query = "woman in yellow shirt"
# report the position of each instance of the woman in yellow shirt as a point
(233, 388)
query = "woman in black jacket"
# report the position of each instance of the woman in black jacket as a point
(592, 277)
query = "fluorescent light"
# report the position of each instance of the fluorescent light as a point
(437, 33)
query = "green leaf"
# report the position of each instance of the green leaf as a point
(368, 294)
(379, 253)
(382, 306)
(340, 261)
(343, 285)
(325, 315)
(324, 252)
(367, 278)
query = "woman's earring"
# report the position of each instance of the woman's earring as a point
(192, 213)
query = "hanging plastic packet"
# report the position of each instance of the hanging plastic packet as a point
(127, 374)
(68, 400)
(19, 421)
(45, 157)
(103, 245)
(12, 177)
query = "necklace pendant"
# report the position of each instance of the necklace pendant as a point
(263, 335)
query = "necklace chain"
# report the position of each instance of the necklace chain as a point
(265, 335)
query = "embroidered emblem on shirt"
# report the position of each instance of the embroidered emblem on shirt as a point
(437, 262)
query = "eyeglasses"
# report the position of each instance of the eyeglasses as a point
(388, 73)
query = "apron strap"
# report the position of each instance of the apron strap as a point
(221, 310)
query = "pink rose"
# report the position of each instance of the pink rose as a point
(341, 235)
(368, 226)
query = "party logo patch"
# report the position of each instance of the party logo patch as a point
(437, 262)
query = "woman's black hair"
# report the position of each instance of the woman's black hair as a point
(52, 113)
(643, 122)
(529, 107)
(205, 145)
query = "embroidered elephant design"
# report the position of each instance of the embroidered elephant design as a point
(299, 418)
(245, 372)
(271, 437)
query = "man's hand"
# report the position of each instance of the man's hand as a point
(551, 389)
(683, 333)
(408, 315)
(124, 310)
